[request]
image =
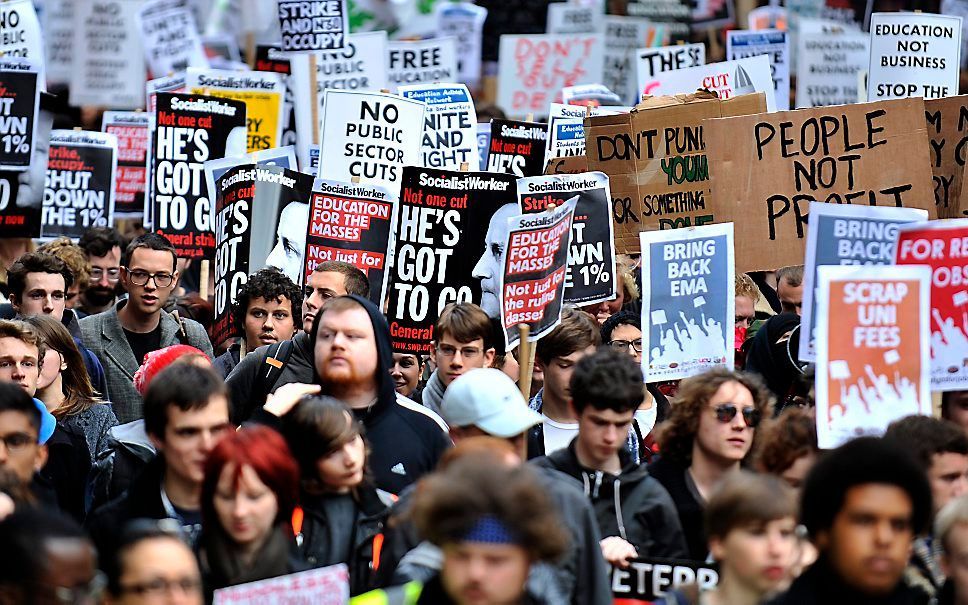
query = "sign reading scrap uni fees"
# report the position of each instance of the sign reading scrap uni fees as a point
(767, 169)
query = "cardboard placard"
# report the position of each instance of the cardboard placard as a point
(872, 349)
(450, 125)
(623, 37)
(323, 586)
(727, 79)
(828, 154)
(846, 235)
(948, 132)
(131, 130)
(648, 578)
(464, 21)
(942, 246)
(314, 25)
(567, 165)
(516, 148)
(775, 45)
(914, 55)
(79, 189)
(107, 68)
(421, 62)
(534, 264)
(171, 39)
(19, 105)
(263, 93)
(687, 301)
(650, 62)
(827, 67)
(655, 158)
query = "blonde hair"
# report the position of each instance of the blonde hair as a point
(746, 287)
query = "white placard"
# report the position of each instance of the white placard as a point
(727, 79)
(914, 55)
(450, 126)
(775, 45)
(827, 67)
(171, 39)
(421, 62)
(465, 22)
(108, 69)
(623, 35)
(650, 63)
(567, 18)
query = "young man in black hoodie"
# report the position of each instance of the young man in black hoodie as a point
(635, 513)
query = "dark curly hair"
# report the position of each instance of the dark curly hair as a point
(98, 241)
(785, 439)
(622, 318)
(607, 380)
(35, 262)
(677, 435)
(272, 285)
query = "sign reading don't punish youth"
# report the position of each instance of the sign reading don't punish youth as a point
(449, 235)
(190, 129)
(79, 189)
(517, 148)
(19, 104)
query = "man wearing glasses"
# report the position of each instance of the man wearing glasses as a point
(462, 342)
(123, 335)
(102, 247)
(154, 565)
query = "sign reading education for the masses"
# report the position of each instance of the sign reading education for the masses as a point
(323, 586)
(775, 45)
(647, 579)
(189, 130)
(131, 130)
(20, 31)
(262, 92)
(914, 55)
(353, 224)
(534, 265)
(943, 247)
(623, 37)
(591, 259)
(727, 79)
(19, 105)
(687, 301)
(171, 39)
(465, 22)
(517, 148)
(450, 230)
(421, 62)
(650, 63)
(313, 24)
(107, 68)
(872, 349)
(533, 69)
(450, 125)
(948, 139)
(79, 189)
(768, 167)
(827, 67)
(846, 235)
(371, 136)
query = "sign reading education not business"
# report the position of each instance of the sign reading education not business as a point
(914, 55)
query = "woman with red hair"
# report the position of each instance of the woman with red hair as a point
(250, 490)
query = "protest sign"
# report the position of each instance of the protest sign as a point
(534, 265)
(590, 276)
(727, 79)
(846, 235)
(131, 130)
(674, 15)
(687, 301)
(59, 40)
(449, 235)
(107, 68)
(234, 195)
(568, 18)
(533, 69)
(828, 154)
(272, 60)
(421, 62)
(827, 67)
(566, 138)
(652, 62)
(483, 142)
(79, 189)
(464, 22)
(948, 137)
(353, 224)
(517, 148)
(623, 36)
(914, 55)
(189, 130)
(371, 136)
(263, 93)
(958, 8)
(313, 25)
(19, 105)
(20, 32)
(589, 95)
(711, 14)
(323, 586)
(567, 165)
(655, 158)
(450, 125)
(872, 349)
(573, 114)
(775, 45)
(171, 39)
(648, 579)
(943, 247)
(22, 192)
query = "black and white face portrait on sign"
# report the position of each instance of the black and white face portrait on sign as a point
(489, 267)
(290, 246)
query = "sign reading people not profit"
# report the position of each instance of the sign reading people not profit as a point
(79, 189)
(131, 129)
(313, 25)
(914, 55)
(450, 126)
(687, 301)
(19, 104)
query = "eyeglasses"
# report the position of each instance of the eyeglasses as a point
(160, 586)
(725, 412)
(114, 274)
(140, 278)
(87, 593)
(465, 352)
(623, 345)
(16, 443)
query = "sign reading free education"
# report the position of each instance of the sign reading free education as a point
(131, 128)
(687, 301)
(421, 62)
(534, 265)
(450, 125)
(648, 579)
(914, 55)
(352, 224)
(19, 104)
(846, 235)
(79, 189)
(313, 25)
(591, 258)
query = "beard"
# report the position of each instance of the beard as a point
(100, 297)
(341, 376)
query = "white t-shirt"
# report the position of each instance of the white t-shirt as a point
(557, 435)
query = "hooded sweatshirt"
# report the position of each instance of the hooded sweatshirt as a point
(631, 505)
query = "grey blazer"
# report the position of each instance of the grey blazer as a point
(103, 335)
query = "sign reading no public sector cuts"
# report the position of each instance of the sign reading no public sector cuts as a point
(79, 190)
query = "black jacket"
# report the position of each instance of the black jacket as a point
(672, 476)
(631, 505)
(820, 585)
(67, 468)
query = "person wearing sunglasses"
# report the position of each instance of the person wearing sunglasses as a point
(708, 436)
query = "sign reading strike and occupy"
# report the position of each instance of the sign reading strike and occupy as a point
(948, 138)
(775, 45)
(352, 224)
(872, 349)
(79, 189)
(591, 260)
(623, 37)
(534, 265)
(846, 235)
(19, 105)
(450, 125)
(371, 136)
(313, 25)
(421, 62)
(262, 92)
(533, 69)
(566, 138)
(727, 79)
(827, 67)
(170, 34)
(650, 63)
(131, 130)
(943, 246)
(648, 579)
(828, 154)
(107, 68)
(450, 230)
(20, 31)
(465, 22)
(655, 158)
(914, 55)
(324, 586)
(190, 129)
(517, 148)
(687, 301)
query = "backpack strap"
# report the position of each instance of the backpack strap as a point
(276, 358)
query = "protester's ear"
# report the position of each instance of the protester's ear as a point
(538, 364)
(15, 302)
(716, 549)
(41, 459)
(489, 357)
(157, 442)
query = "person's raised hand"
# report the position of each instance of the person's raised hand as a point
(288, 395)
(617, 551)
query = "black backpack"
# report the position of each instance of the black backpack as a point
(275, 360)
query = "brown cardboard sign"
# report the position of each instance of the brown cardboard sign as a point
(767, 168)
(572, 164)
(656, 162)
(948, 139)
